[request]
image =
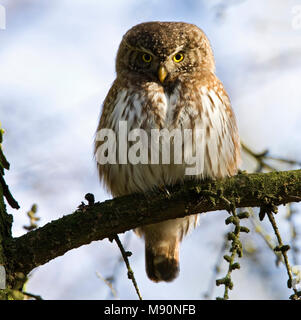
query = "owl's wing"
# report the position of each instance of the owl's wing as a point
(105, 123)
(221, 139)
(108, 106)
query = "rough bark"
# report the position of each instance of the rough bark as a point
(103, 220)
(5, 219)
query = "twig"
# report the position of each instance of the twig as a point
(288, 161)
(283, 249)
(262, 156)
(265, 236)
(289, 216)
(37, 297)
(32, 218)
(236, 248)
(108, 283)
(10, 199)
(125, 255)
(115, 269)
(259, 157)
(216, 270)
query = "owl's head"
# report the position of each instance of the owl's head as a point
(162, 51)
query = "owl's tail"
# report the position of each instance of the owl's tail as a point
(162, 259)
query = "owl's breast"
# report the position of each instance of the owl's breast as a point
(209, 149)
(148, 108)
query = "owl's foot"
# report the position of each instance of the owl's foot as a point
(165, 191)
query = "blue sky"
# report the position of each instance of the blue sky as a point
(56, 66)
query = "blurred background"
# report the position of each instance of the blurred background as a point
(56, 66)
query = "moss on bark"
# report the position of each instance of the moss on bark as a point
(97, 221)
(104, 220)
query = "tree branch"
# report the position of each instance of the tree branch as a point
(97, 221)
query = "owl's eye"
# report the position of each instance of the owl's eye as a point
(178, 57)
(147, 57)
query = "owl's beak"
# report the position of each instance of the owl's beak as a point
(162, 73)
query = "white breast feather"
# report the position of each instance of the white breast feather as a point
(145, 178)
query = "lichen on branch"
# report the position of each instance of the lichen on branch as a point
(97, 221)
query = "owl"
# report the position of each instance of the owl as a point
(165, 80)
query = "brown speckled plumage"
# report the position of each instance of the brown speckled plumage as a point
(189, 97)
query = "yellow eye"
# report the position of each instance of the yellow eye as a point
(147, 57)
(178, 57)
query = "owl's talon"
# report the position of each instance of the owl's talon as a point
(165, 191)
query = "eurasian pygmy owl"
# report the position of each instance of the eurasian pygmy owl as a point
(166, 80)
